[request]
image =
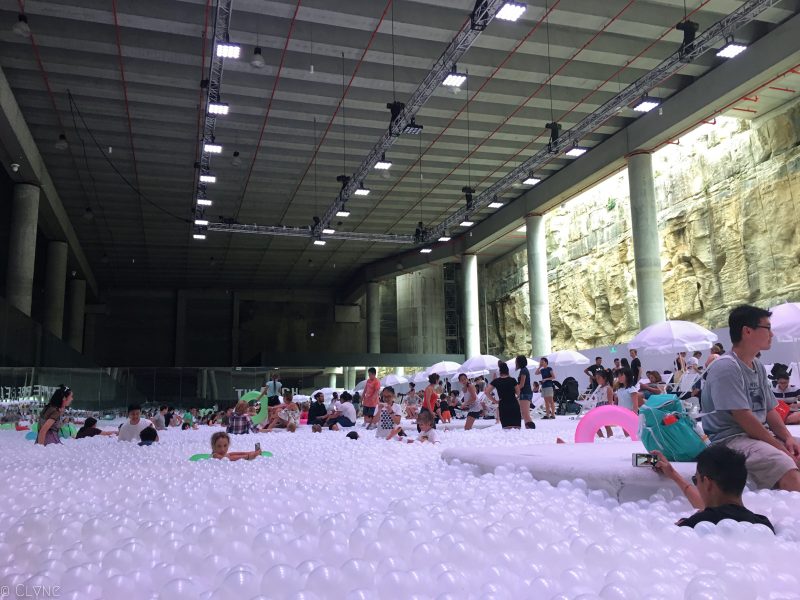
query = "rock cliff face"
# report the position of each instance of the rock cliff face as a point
(729, 224)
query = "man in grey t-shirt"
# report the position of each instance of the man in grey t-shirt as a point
(739, 405)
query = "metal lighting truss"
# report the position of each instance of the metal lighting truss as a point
(482, 15)
(387, 238)
(222, 25)
(702, 44)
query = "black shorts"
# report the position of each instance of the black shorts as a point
(474, 415)
(368, 411)
(273, 401)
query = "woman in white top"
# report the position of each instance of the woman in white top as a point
(412, 401)
(626, 394)
(469, 401)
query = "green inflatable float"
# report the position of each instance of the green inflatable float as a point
(262, 414)
(70, 430)
(197, 457)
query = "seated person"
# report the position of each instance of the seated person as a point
(789, 394)
(654, 386)
(288, 416)
(345, 414)
(148, 436)
(443, 409)
(129, 432)
(317, 413)
(718, 485)
(239, 422)
(185, 426)
(412, 401)
(221, 441)
(389, 415)
(90, 429)
(426, 431)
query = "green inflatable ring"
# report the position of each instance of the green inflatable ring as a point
(262, 414)
(7, 426)
(70, 430)
(197, 457)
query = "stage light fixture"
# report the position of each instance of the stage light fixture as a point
(217, 108)
(361, 191)
(201, 222)
(576, 151)
(208, 179)
(426, 251)
(199, 236)
(383, 164)
(454, 78)
(21, 27)
(320, 242)
(257, 59)
(62, 143)
(532, 181)
(343, 214)
(204, 202)
(646, 104)
(226, 50)
(731, 49)
(466, 223)
(212, 148)
(511, 11)
(328, 231)
(496, 204)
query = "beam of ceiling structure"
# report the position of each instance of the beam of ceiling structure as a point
(161, 44)
(19, 147)
(769, 58)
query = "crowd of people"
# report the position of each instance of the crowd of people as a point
(744, 413)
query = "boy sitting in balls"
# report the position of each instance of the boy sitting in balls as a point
(221, 441)
(716, 488)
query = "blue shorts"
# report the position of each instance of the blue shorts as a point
(526, 396)
(368, 411)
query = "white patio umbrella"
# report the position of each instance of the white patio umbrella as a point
(327, 393)
(670, 337)
(512, 365)
(482, 362)
(360, 386)
(566, 358)
(469, 374)
(398, 382)
(786, 322)
(301, 398)
(421, 377)
(443, 368)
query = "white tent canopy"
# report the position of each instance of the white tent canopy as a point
(785, 322)
(566, 358)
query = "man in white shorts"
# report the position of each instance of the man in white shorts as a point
(739, 406)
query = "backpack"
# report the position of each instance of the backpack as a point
(665, 426)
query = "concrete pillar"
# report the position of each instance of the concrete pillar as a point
(346, 378)
(420, 311)
(22, 247)
(77, 309)
(646, 251)
(400, 371)
(373, 317)
(332, 380)
(537, 285)
(472, 323)
(55, 283)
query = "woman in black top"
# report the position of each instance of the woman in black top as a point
(525, 391)
(506, 386)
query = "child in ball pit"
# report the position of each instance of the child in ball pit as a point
(221, 441)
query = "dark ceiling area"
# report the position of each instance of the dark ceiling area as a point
(121, 81)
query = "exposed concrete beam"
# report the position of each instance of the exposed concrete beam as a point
(770, 56)
(17, 146)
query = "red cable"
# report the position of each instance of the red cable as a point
(269, 108)
(339, 105)
(125, 95)
(461, 110)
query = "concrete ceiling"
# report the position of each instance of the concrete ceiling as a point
(595, 48)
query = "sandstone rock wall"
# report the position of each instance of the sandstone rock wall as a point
(729, 213)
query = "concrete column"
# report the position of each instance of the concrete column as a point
(472, 323)
(77, 309)
(346, 378)
(646, 250)
(373, 317)
(22, 247)
(537, 285)
(332, 380)
(55, 283)
(400, 371)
